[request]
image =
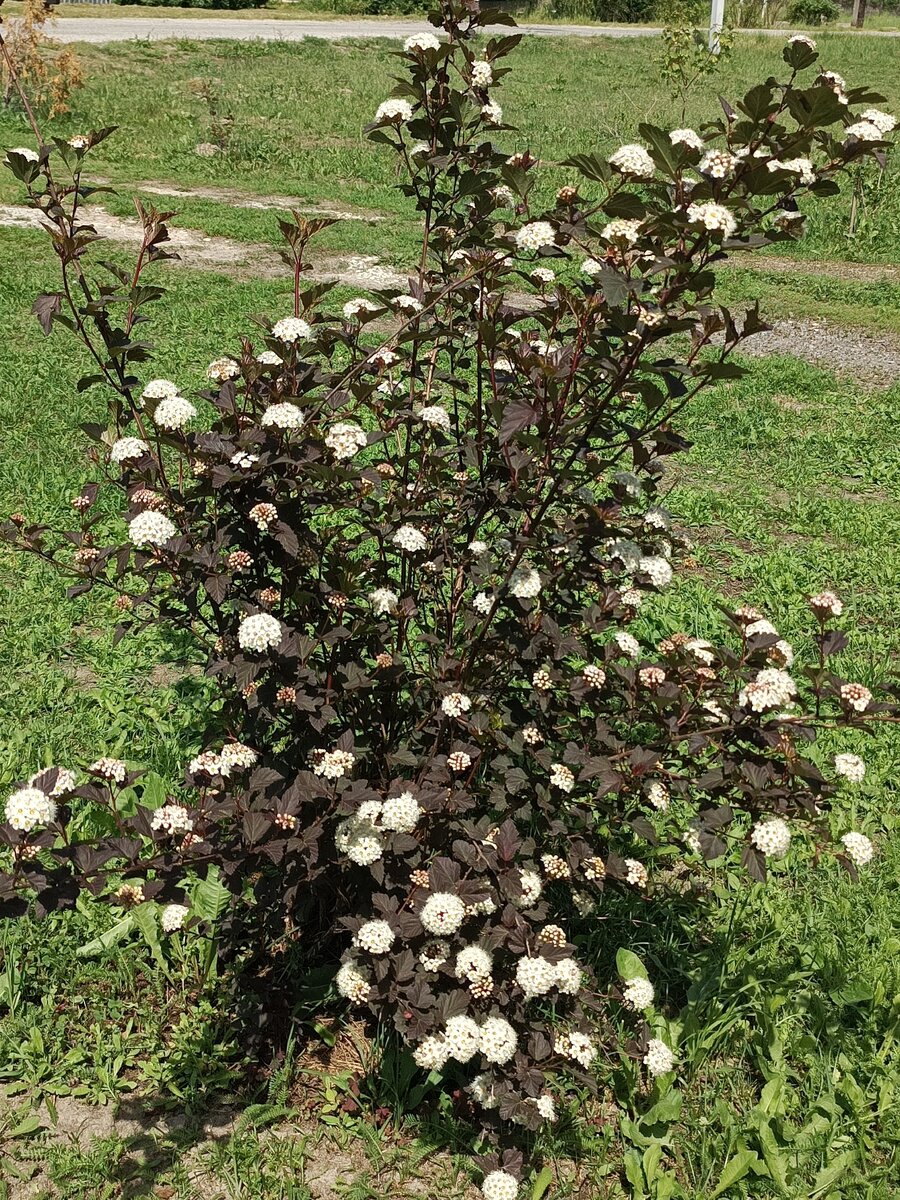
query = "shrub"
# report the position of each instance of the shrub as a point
(415, 563)
(50, 76)
(813, 12)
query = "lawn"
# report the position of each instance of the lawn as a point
(789, 1076)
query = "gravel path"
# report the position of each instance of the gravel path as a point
(119, 29)
(871, 359)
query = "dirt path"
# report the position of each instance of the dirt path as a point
(203, 252)
(850, 272)
(237, 198)
(118, 29)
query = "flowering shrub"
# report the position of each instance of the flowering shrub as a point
(412, 563)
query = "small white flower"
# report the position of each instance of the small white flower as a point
(127, 449)
(658, 570)
(545, 1106)
(482, 1089)
(500, 1185)
(633, 160)
(473, 962)
(659, 1059)
(592, 268)
(543, 276)
(535, 236)
(771, 837)
(686, 137)
(478, 548)
(150, 529)
(492, 113)
(577, 1046)
(483, 602)
(174, 413)
(360, 307)
(29, 807)
(882, 121)
(858, 847)
(462, 1036)
(408, 304)
(435, 415)
(863, 131)
(802, 38)
(498, 1040)
(442, 913)
(535, 976)
(410, 539)
(260, 632)
(220, 370)
(159, 389)
(268, 358)
(282, 416)
(635, 873)
(627, 644)
(794, 166)
(394, 110)
(638, 993)
(421, 42)
(292, 329)
(173, 917)
(561, 777)
(530, 883)
(332, 764)
(344, 439)
(172, 819)
(401, 814)
(26, 153)
(455, 704)
(352, 982)
(431, 1054)
(375, 937)
(384, 601)
(714, 217)
(434, 954)
(482, 74)
(567, 977)
(525, 583)
(717, 164)
(851, 766)
(623, 229)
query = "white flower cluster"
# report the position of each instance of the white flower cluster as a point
(220, 370)
(354, 309)
(473, 962)
(772, 837)
(658, 795)
(482, 73)
(714, 217)
(686, 137)
(492, 113)
(455, 704)
(126, 449)
(353, 982)
(863, 131)
(851, 766)
(638, 993)
(442, 913)
(530, 883)
(173, 917)
(525, 583)
(633, 160)
(435, 416)
(375, 937)
(794, 166)
(394, 110)
(410, 539)
(771, 688)
(400, 814)
(624, 229)
(384, 601)
(332, 764)
(150, 528)
(858, 847)
(658, 1059)
(420, 42)
(344, 439)
(717, 164)
(172, 819)
(260, 632)
(658, 570)
(159, 389)
(282, 416)
(576, 1046)
(500, 1185)
(29, 807)
(883, 122)
(173, 413)
(535, 236)
(360, 840)
(561, 777)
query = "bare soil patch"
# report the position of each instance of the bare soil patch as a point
(249, 260)
(241, 199)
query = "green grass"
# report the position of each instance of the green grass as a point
(299, 110)
(789, 1010)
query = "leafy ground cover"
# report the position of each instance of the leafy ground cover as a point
(790, 1077)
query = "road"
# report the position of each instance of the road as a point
(120, 29)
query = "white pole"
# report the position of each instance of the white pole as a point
(716, 21)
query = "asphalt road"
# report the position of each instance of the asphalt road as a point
(121, 29)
